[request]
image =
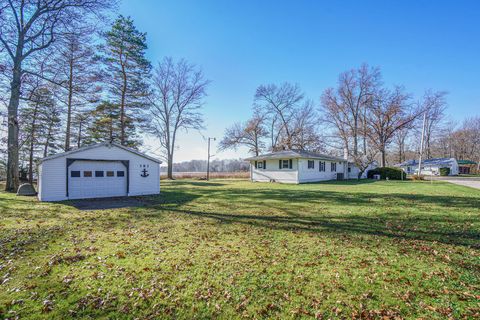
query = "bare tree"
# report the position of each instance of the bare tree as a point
(28, 27)
(249, 134)
(345, 108)
(363, 161)
(463, 141)
(178, 94)
(400, 140)
(434, 104)
(305, 134)
(389, 112)
(279, 104)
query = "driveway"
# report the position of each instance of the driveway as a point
(472, 182)
(108, 203)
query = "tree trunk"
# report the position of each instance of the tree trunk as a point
(355, 138)
(12, 144)
(364, 125)
(170, 166)
(69, 107)
(30, 161)
(383, 157)
(47, 142)
(79, 136)
(122, 107)
(32, 144)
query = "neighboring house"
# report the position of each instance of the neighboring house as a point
(467, 167)
(430, 166)
(296, 166)
(97, 171)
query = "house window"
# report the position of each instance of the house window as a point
(333, 167)
(120, 173)
(110, 174)
(285, 164)
(311, 164)
(87, 174)
(321, 166)
(75, 174)
(349, 169)
(98, 173)
(260, 165)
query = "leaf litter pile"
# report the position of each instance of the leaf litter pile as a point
(234, 249)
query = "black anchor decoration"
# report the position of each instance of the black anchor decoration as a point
(144, 173)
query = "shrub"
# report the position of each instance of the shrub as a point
(387, 172)
(444, 171)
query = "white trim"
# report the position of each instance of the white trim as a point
(93, 146)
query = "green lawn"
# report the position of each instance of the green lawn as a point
(232, 249)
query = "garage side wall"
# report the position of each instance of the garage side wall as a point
(52, 184)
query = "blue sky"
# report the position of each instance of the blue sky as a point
(242, 44)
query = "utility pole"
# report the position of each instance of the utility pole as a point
(421, 145)
(208, 159)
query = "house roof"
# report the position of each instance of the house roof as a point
(295, 154)
(93, 146)
(429, 162)
(466, 162)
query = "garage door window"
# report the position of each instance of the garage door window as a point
(75, 174)
(98, 173)
(87, 174)
(120, 173)
(110, 174)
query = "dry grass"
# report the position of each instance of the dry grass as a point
(416, 177)
(213, 175)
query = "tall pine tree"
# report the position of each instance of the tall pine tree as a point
(77, 66)
(126, 74)
(40, 127)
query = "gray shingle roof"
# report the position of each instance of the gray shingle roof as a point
(428, 162)
(92, 146)
(294, 154)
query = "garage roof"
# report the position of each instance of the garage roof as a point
(93, 146)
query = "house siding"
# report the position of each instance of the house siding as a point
(274, 173)
(52, 183)
(300, 173)
(311, 175)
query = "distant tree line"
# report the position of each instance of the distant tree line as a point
(227, 165)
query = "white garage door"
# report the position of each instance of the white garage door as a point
(96, 179)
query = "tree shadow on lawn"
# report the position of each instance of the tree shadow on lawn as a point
(344, 198)
(349, 182)
(347, 224)
(404, 216)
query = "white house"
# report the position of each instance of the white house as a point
(97, 171)
(296, 166)
(430, 166)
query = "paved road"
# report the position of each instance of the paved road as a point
(472, 182)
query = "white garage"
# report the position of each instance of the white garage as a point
(98, 171)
